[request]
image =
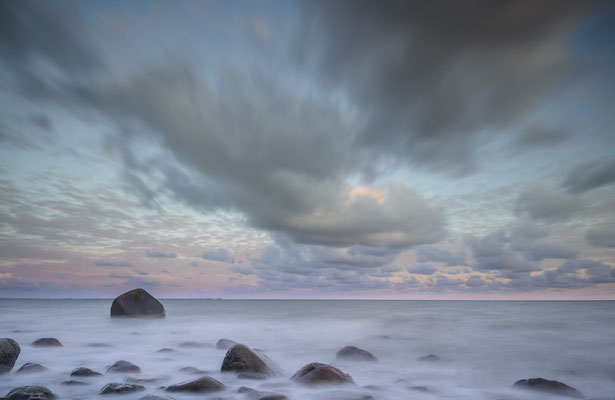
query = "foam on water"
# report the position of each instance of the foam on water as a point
(484, 346)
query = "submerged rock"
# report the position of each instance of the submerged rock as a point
(29, 368)
(47, 342)
(194, 345)
(547, 386)
(155, 397)
(119, 388)
(202, 385)
(9, 352)
(74, 383)
(240, 358)
(317, 373)
(82, 371)
(253, 394)
(355, 354)
(194, 371)
(429, 358)
(99, 345)
(144, 378)
(423, 389)
(123, 366)
(252, 375)
(30, 393)
(225, 344)
(166, 350)
(136, 303)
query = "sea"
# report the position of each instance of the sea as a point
(483, 347)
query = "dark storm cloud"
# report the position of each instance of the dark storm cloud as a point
(540, 203)
(429, 76)
(159, 254)
(220, 255)
(601, 237)
(590, 176)
(430, 253)
(106, 263)
(539, 136)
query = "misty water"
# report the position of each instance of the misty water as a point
(484, 347)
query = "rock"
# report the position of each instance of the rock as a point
(99, 345)
(225, 344)
(194, 345)
(423, 389)
(166, 350)
(123, 366)
(317, 373)
(136, 303)
(47, 342)
(74, 383)
(155, 397)
(82, 371)
(30, 393)
(9, 351)
(144, 378)
(544, 385)
(240, 358)
(202, 385)
(252, 394)
(429, 358)
(119, 388)
(355, 354)
(194, 371)
(29, 368)
(252, 375)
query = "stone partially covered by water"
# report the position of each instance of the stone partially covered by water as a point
(241, 358)
(321, 374)
(204, 384)
(29, 368)
(30, 393)
(82, 371)
(47, 342)
(124, 366)
(547, 386)
(9, 352)
(120, 388)
(355, 354)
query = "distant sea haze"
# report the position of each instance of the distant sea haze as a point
(481, 348)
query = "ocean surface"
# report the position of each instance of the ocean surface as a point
(484, 347)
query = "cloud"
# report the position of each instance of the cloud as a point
(135, 281)
(220, 255)
(589, 176)
(430, 76)
(492, 253)
(106, 263)
(540, 203)
(541, 136)
(421, 269)
(430, 253)
(601, 237)
(157, 254)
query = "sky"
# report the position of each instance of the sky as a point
(308, 149)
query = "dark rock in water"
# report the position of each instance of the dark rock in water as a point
(47, 342)
(155, 397)
(30, 393)
(29, 368)
(74, 383)
(429, 358)
(99, 345)
(194, 371)
(252, 375)
(144, 378)
(123, 366)
(225, 344)
(9, 351)
(252, 394)
(120, 388)
(240, 358)
(136, 303)
(194, 345)
(423, 389)
(547, 386)
(166, 350)
(355, 354)
(317, 373)
(82, 371)
(202, 385)
(374, 388)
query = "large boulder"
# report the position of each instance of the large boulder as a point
(204, 384)
(547, 386)
(355, 354)
(119, 388)
(241, 358)
(9, 351)
(136, 303)
(318, 374)
(47, 342)
(124, 366)
(30, 393)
